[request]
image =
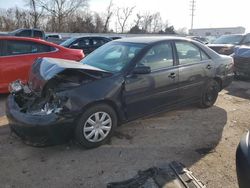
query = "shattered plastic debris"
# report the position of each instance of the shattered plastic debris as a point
(173, 175)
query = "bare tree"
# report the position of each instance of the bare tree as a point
(35, 12)
(61, 9)
(99, 24)
(156, 22)
(138, 19)
(122, 16)
(147, 21)
(108, 16)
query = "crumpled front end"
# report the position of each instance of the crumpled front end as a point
(37, 120)
(43, 112)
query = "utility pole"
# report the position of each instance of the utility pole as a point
(192, 12)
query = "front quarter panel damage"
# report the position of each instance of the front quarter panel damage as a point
(45, 111)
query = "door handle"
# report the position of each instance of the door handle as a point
(209, 67)
(172, 75)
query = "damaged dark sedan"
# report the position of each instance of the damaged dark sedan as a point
(119, 82)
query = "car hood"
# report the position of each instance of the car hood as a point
(45, 69)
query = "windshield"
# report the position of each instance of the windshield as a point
(228, 39)
(113, 56)
(68, 42)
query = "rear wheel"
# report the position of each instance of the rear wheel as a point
(96, 126)
(210, 94)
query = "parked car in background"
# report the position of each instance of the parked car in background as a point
(123, 80)
(88, 43)
(241, 57)
(33, 33)
(17, 54)
(54, 36)
(243, 161)
(225, 44)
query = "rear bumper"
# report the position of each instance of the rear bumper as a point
(227, 80)
(38, 130)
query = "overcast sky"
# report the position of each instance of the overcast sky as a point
(209, 13)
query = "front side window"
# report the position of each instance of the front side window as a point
(113, 57)
(158, 57)
(188, 53)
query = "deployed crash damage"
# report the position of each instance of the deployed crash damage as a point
(45, 97)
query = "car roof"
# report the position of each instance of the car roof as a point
(90, 36)
(148, 40)
(29, 39)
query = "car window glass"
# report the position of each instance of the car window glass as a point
(158, 57)
(38, 34)
(204, 56)
(39, 48)
(113, 57)
(98, 41)
(82, 42)
(26, 47)
(246, 40)
(24, 33)
(187, 53)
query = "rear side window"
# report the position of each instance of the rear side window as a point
(188, 53)
(38, 34)
(25, 47)
(24, 33)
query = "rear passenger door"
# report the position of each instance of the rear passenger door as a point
(195, 68)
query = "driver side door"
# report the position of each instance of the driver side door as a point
(146, 93)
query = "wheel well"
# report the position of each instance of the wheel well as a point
(107, 102)
(219, 81)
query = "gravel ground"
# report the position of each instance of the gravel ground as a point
(205, 140)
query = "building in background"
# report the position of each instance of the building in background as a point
(216, 32)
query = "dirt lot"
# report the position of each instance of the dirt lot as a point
(205, 140)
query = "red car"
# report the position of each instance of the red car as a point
(17, 54)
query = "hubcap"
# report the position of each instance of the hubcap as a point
(97, 127)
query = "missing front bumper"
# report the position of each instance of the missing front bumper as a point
(38, 130)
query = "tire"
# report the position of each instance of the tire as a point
(96, 126)
(210, 94)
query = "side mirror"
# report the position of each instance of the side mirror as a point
(141, 70)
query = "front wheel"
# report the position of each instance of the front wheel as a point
(210, 94)
(96, 126)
